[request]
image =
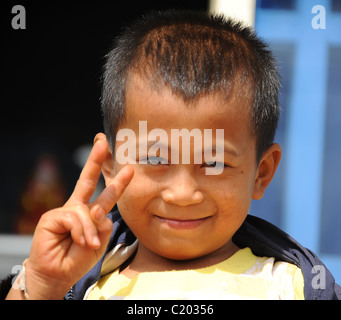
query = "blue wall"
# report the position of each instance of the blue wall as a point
(303, 198)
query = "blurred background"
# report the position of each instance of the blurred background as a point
(51, 112)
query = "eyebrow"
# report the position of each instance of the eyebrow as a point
(228, 149)
(151, 143)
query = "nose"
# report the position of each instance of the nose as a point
(182, 189)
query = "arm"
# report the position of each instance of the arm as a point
(5, 286)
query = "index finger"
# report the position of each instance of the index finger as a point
(112, 193)
(89, 176)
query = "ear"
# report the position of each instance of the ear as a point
(266, 170)
(108, 164)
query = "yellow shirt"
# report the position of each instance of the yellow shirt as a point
(242, 276)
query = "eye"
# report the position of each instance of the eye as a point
(214, 164)
(153, 161)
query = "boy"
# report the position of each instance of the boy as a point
(182, 228)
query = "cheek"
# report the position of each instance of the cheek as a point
(130, 203)
(232, 211)
(136, 197)
(233, 199)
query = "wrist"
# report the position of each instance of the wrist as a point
(41, 287)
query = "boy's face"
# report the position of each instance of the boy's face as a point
(176, 210)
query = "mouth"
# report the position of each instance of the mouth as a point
(182, 223)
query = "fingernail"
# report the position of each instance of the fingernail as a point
(82, 241)
(98, 213)
(95, 241)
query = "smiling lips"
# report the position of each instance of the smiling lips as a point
(182, 224)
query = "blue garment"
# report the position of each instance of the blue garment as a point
(263, 238)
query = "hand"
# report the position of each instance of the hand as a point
(69, 241)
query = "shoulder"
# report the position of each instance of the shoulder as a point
(289, 280)
(283, 280)
(267, 240)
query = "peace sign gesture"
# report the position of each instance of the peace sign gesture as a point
(69, 241)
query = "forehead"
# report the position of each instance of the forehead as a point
(160, 105)
(162, 109)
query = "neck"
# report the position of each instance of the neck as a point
(148, 261)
